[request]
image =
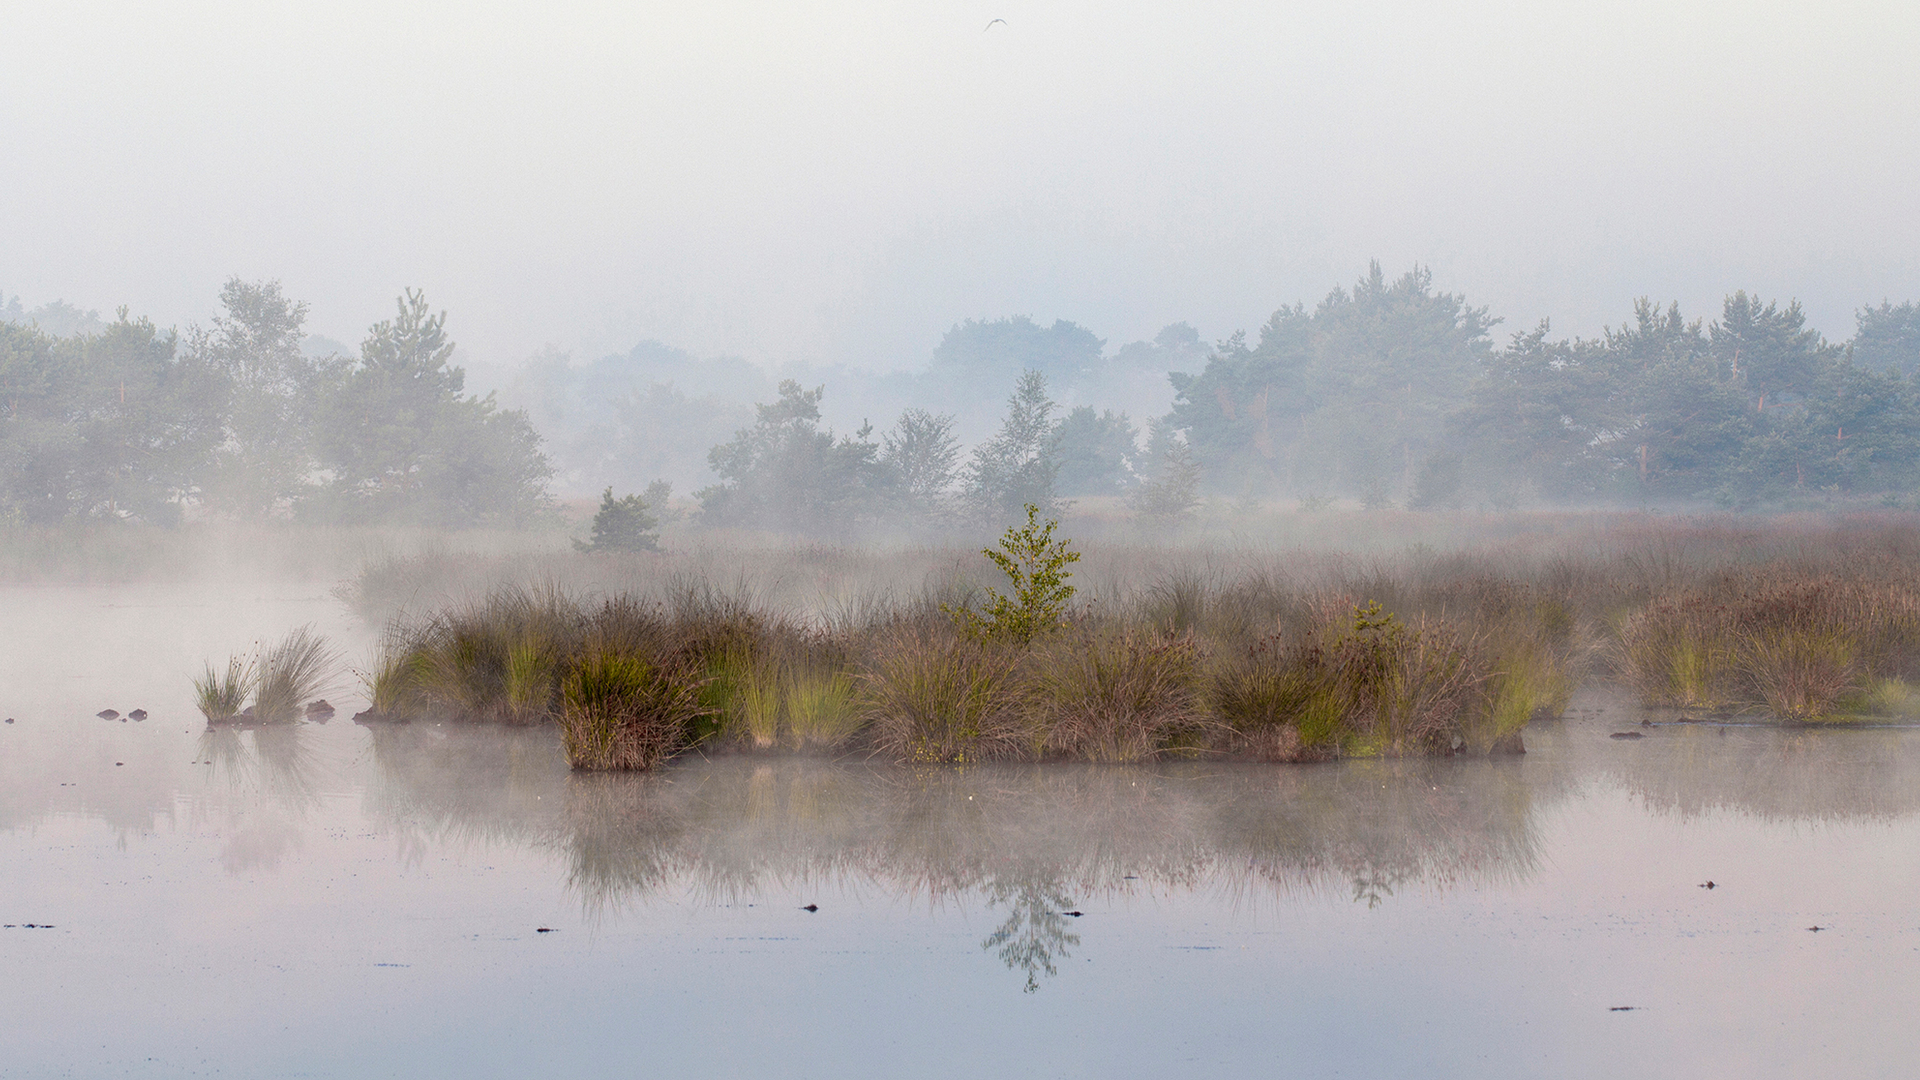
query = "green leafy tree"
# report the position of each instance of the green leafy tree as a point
(1350, 395)
(1770, 351)
(1546, 415)
(266, 460)
(919, 460)
(978, 351)
(622, 524)
(1888, 338)
(1017, 466)
(404, 444)
(1095, 452)
(1173, 489)
(111, 424)
(787, 472)
(1036, 568)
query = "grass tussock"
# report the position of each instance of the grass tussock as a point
(624, 711)
(222, 694)
(1117, 697)
(279, 678)
(1364, 683)
(1803, 649)
(935, 698)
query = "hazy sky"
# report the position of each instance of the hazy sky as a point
(842, 181)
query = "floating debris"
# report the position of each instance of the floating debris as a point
(810, 907)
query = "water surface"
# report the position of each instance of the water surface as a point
(340, 900)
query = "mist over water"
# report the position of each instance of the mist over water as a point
(493, 499)
(383, 891)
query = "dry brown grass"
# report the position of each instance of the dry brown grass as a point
(1115, 697)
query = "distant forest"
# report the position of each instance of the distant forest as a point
(1388, 392)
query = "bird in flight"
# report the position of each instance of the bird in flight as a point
(1002, 22)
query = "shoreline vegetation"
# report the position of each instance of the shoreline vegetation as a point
(1278, 656)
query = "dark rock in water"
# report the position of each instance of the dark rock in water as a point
(1508, 745)
(811, 907)
(1626, 735)
(1708, 885)
(319, 711)
(108, 714)
(138, 714)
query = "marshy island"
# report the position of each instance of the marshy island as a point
(1038, 649)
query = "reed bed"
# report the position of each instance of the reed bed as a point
(1295, 656)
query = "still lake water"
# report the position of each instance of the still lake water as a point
(343, 901)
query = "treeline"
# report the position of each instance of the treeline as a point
(787, 471)
(123, 420)
(1389, 392)
(1392, 392)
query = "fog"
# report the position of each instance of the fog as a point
(841, 183)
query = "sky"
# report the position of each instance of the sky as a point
(840, 182)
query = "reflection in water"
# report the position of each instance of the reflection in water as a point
(1028, 841)
(432, 782)
(1036, 928)
(279, 769)
(278, 761)
(1772, 774)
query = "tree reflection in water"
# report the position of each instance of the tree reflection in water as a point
(1031, 841)
(1035, 931)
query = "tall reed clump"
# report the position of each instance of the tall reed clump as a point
(221, 694)
(499, 659)
(821, 708)
(1364, 684)
(1115, 697)
(1679, 651)
(290, 673)
(1804, 648)
(1529, 641)
(933, 698)
(279, 678)
(625, 711)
